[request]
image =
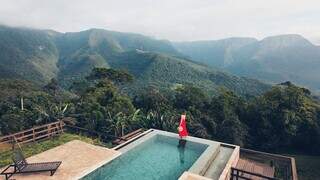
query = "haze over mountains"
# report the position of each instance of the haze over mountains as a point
(316, 41)
(273, 59)
(39, 55)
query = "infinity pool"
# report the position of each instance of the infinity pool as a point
(158, 158)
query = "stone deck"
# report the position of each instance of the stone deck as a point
(78, 159)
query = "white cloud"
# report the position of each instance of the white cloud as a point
(169, 19)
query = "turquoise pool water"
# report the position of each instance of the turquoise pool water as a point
(158, 158)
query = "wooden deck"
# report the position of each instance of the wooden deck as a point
(255, 167)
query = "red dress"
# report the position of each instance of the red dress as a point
(183, 132)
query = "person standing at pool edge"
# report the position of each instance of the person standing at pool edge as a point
(183, 132)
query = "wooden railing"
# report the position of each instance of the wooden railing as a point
(33, 134)
(239, 174)
(285, 165)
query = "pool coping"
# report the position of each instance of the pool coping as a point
(188, 176)
(233, 159)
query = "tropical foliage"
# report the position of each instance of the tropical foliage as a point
(286, 117)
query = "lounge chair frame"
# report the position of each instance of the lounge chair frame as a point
(21, 166)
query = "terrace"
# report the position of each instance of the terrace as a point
(77, 157)
(202, 160)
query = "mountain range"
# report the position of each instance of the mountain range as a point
(40, 55)
(273, 59)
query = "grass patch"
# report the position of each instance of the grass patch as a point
(38, 147)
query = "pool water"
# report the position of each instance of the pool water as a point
(160, 157)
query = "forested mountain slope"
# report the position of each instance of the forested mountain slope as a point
(273, 59)
(27, 54)
(41, 55)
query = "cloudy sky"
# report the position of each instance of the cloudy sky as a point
(176, 20)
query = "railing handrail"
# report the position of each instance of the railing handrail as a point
(31, 129)
(34, 134)
(281, 158)
(294, 169)
(275, 156)
(250, 173)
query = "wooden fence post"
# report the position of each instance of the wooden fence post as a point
(34, 135)
(49, 133)
(61, 126)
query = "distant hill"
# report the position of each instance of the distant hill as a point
(165, 71)
(81, 51)
(273, 59)
(217, 53)
(39, 55)
(28, 54)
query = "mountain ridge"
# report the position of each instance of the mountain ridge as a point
(273, 59)
(70, 57)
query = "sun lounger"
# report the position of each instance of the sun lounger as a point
(21, 166)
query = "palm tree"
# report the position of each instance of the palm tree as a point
(165, 121)
(52, 112)
(120, 122)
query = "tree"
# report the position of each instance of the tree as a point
(52, 86)
(284, 117)
(232, 130)
(79, 87)
(117, 76)
(202, 125)
(102, 107)
(188, 96)
(152, 99)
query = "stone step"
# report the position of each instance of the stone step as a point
(218, 164)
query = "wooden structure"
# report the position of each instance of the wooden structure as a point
(253, 170)
(127, 137)
(237, 174)
(33, 134)
(256, 165)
